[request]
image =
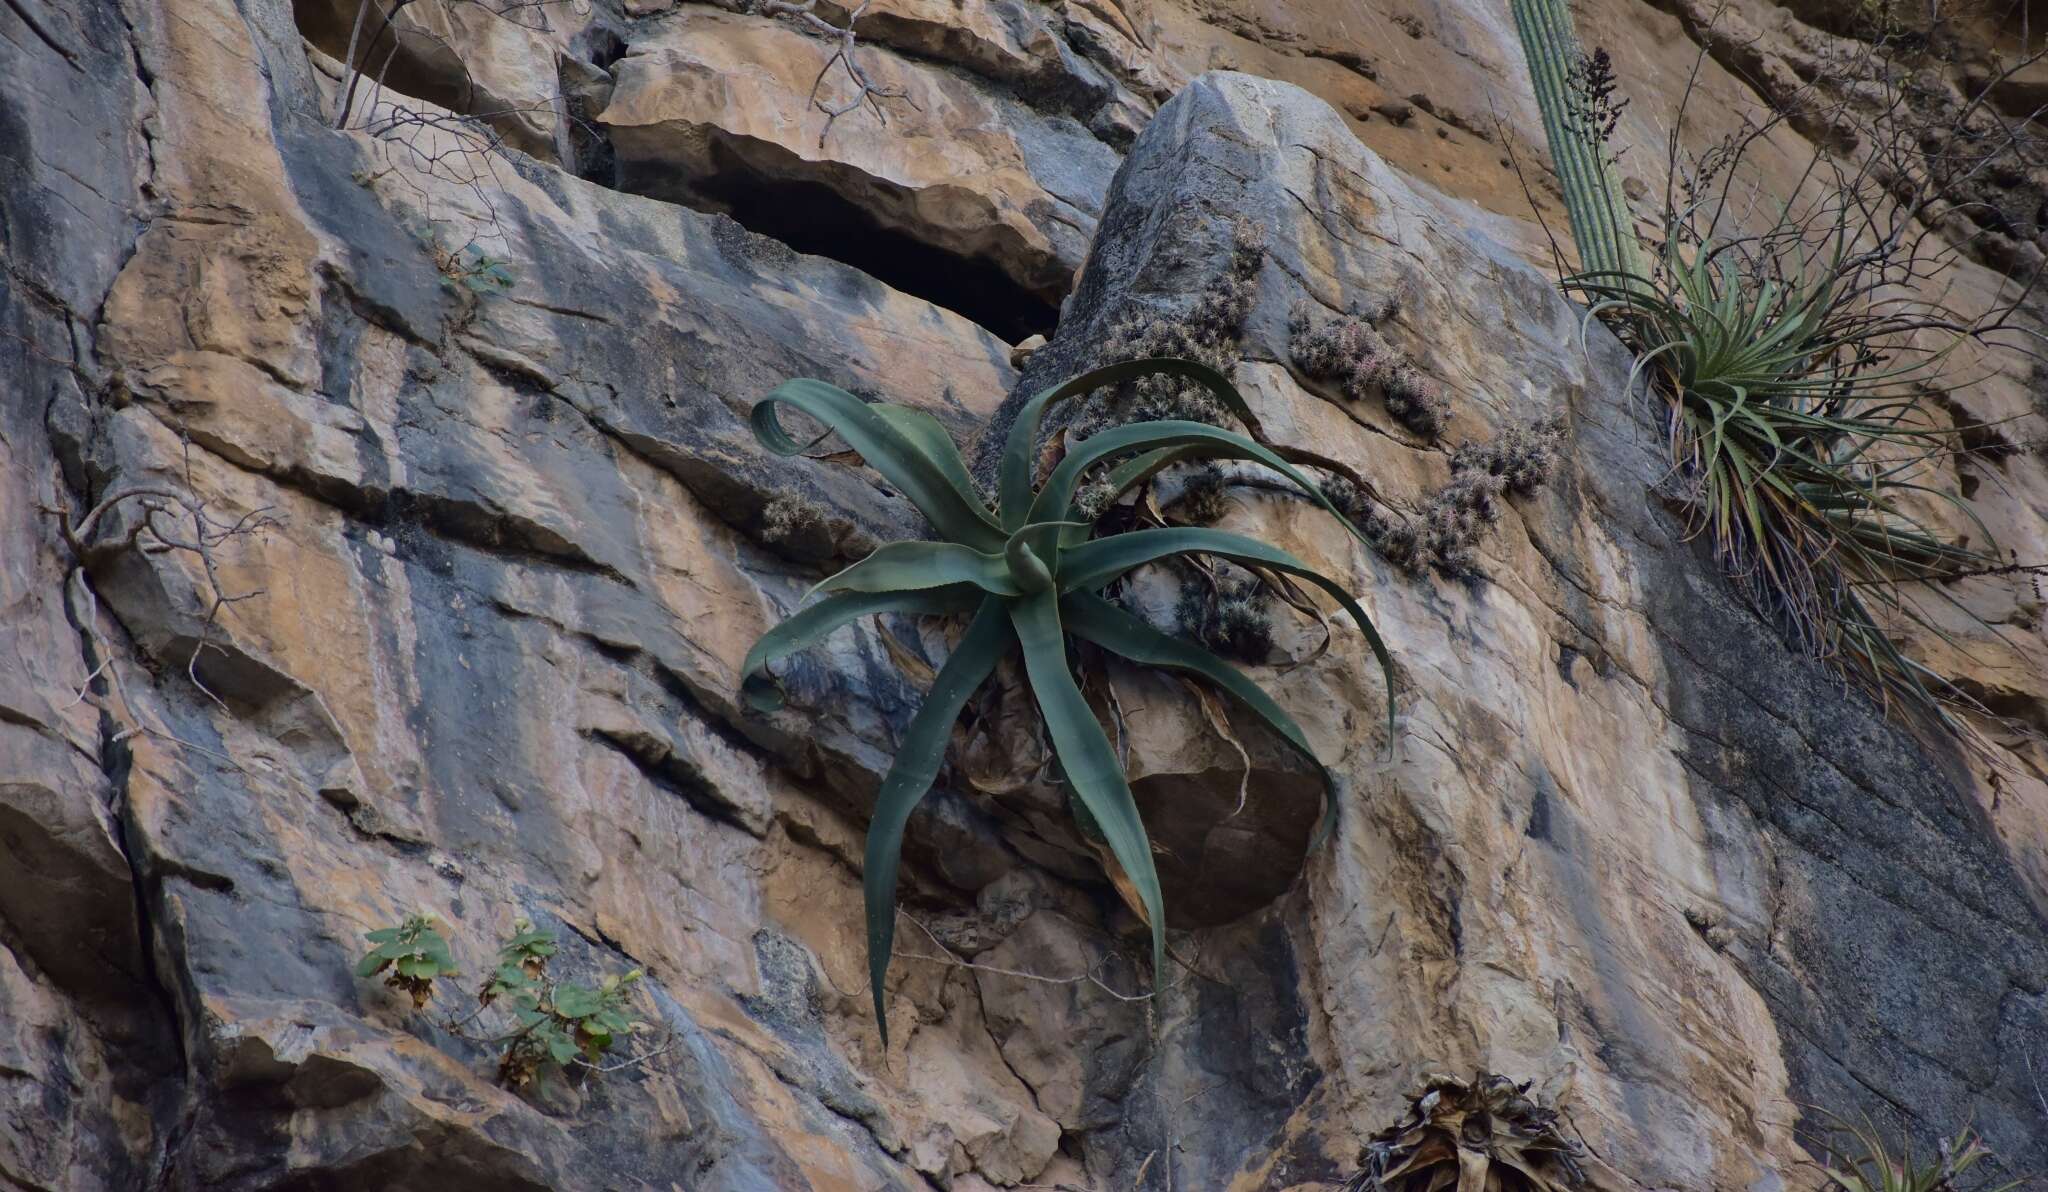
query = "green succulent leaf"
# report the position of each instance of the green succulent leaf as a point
(1087, 760)
(917, 763)
(1161, 444)
(931, 436)
(814, 624)
(906, 566)
(897, 445)
(1018, 463)
(1097, 620)
(1087, 568)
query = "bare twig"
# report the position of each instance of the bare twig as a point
(866, 90)
(951, 959)
(168, 520)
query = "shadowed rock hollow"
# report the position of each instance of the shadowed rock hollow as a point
(1623, 842)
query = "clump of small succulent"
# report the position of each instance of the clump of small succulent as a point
(1210, 332)
(1234, 618)
(1203, 499)
(1358, 360)
(1395, 540)
(1094, 499)
(1519, 460)
(1454, 518)
(1521, 457)
(788, 520)
(1483, 1133)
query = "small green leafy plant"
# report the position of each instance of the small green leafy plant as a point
(473, 269)
(1032, 574)
(1856, 1159)
(557, 1022)
(562, 1023)
(414, 953)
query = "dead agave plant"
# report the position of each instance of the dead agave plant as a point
(1485, 1134)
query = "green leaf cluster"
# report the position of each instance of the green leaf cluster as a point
(556, 1022)
(1030, 574)
(565, 1022)
(478, 271)
(1801, 429)
(414, 952)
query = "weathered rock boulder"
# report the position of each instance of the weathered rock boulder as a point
(722, 110)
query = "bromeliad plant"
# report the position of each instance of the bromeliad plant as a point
(1031, 573)
(1857, 1159)
(1800, 429)
(1798, 375)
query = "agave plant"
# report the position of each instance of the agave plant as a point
(1857, 1160)
(1481, 1135)
(1031, 573)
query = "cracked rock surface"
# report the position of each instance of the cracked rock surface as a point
(1623, 843)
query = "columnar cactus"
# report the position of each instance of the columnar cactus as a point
(1592, 193)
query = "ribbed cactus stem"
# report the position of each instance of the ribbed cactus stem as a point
(1593, 200)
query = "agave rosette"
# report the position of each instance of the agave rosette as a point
(1480, 1135)
(1031, 574)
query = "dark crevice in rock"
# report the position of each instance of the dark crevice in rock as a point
(807, 214)
(813, 217)
(672, 772)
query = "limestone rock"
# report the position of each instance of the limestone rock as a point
(717, 108)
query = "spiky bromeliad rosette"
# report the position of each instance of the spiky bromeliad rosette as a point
(1031, 573)
(1482, 1135)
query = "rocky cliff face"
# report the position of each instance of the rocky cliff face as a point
(484, 413)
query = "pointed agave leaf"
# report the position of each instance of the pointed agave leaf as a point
(1097, 620)
(911, 776)
(1087, 759)
(1163, 443)
(811, 626)
(1015, 473)
(1089, 567)
(905, 460)
(902, 566)
(931, 436)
